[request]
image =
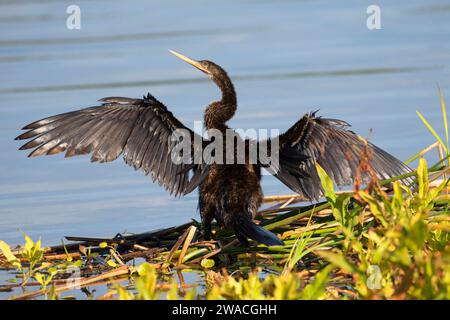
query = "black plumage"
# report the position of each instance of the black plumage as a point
(335, 148)
(140, 129)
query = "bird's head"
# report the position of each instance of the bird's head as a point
(218, 112)
(214, 71)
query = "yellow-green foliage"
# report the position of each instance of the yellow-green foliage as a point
(32, 254)
(146, 286)
(406, 253)
(32, 264)
(403, 254)
(383, 247)
(287, 286)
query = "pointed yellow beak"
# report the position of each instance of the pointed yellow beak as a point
(192, 62)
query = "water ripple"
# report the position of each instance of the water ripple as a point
(254, 77)
(115, 37)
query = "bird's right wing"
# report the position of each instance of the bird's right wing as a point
(141, 129)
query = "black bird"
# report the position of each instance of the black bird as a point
(229, 193)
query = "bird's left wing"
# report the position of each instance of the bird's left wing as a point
(139, 128)
(335, 148)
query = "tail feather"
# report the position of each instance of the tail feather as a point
(245, 228)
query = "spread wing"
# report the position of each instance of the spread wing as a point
(335, 148)
(138, 128)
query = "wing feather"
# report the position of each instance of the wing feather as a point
(335, 148)
(137, 128)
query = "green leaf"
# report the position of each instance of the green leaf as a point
(444, 116)
(316, 289)
(52, 270)
(342, 214)
(144, 269)
(191, 295)
(173, 291)
(111, 263)
(433, 132)
(338, 260)
(207, 263)
(376, 207)
(422, 178)
(194, 253)
(39, 278)
(77, 263)
(298, 250)
(37, 246)
(68, 257)
(4, 247)
(437, 191)
(29, 244)
(327, 184)
(398, 194)
(103, 245)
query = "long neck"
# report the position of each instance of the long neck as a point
(219, 112)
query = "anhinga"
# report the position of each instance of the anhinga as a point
(230, 193)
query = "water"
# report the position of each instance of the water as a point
(287, 58)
